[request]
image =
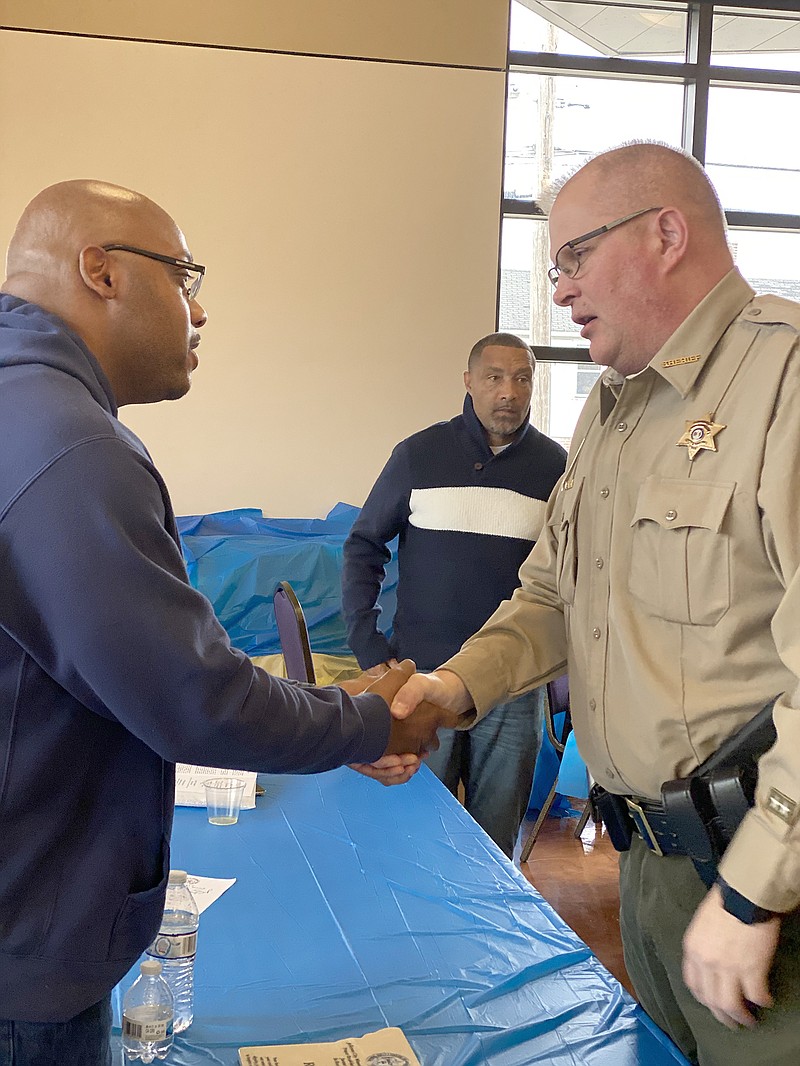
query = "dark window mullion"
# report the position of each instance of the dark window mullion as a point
(548, 353)
(608, 66)
(752, 8)
(695, 94)
(757, 78)
(522, 209)
(762, 221)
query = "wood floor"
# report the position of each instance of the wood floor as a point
(579, 879)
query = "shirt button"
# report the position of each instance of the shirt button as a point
(596, 633)
(756, 311)
(592, 705)
(610, 774)
(479, 466)
(604, 493)
(622, 426)
(671, 515)
(599, 564)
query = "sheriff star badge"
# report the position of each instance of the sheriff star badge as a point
(699, 436)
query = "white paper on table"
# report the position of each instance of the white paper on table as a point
(207, 890)
(190, 782)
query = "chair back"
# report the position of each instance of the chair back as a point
(558, 723)
(558, 703)
(293, 634)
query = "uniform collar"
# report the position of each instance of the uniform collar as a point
(684, 355)
(688, 349)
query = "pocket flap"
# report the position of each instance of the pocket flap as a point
(570, 498)
(674, 503)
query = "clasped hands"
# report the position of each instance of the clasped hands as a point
(420, 705)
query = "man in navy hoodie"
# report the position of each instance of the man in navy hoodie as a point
(112, 668)
(467, 499)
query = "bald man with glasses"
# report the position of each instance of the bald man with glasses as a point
(667, 582)
(112, 667)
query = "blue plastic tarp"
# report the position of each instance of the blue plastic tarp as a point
(236, 558)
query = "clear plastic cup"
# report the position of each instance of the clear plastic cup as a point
(224, 799)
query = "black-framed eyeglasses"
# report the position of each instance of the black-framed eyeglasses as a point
(195, 270)
(567, 261)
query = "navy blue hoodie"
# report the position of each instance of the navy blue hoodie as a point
(467, 520)
(112, 668)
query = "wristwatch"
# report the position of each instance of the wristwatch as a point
(741, 907)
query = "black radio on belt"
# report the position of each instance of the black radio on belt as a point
(700, 813)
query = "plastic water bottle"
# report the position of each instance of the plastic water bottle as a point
(175, 946)
(147, 1014)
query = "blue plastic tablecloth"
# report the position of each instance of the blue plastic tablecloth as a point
(236, 558)
(358, 907)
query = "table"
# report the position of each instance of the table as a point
(359, 906)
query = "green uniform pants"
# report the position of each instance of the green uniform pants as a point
(658, 898)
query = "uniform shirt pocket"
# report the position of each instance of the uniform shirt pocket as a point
(680, 553)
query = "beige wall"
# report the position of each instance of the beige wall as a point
(348, 214)
(460, 32)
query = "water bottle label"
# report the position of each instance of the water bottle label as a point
(182, 946)
(151, 1030)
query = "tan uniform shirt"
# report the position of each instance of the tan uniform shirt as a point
(671, 584)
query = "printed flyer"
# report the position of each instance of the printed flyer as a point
(386, 1047)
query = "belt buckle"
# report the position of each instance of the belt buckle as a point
(640, 818)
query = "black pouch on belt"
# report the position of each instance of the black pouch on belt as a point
(706, 808)
(613, 811)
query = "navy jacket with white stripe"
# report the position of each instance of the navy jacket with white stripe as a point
(466, 520)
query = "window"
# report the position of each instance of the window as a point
(762, 167)
(721, 80)
(769, 39)
(586, 377)
(598, 29)
(552, 124)
(768, 260)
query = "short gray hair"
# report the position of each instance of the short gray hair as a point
(500, 340)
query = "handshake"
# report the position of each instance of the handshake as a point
(415, 717)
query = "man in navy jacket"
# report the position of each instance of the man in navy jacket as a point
(112, 667)
(466, 498)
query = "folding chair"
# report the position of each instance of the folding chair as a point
(557, 703)
(293, 634)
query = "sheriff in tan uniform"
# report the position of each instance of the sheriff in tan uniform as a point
(666, 583)
(668, 577)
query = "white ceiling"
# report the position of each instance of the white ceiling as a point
(652, 28)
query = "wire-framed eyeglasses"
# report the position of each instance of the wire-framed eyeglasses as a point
(568, 262)
(194, 270)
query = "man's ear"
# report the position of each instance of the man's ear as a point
(97, 272)
(673, 233)
(467, 380)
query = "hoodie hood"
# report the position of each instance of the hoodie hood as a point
(31, 337)
(54, 397)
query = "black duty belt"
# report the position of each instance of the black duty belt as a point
(654, 826)
(699, 813)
